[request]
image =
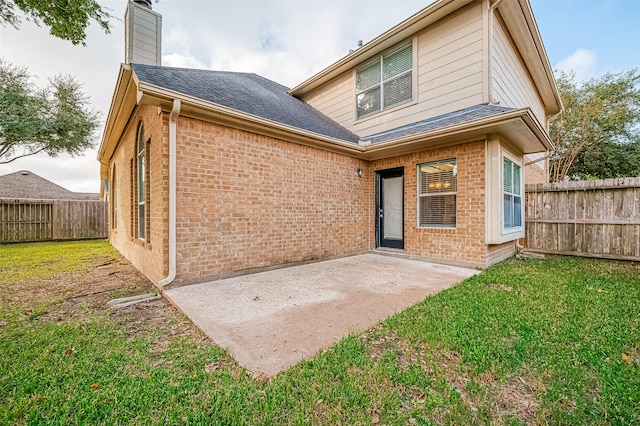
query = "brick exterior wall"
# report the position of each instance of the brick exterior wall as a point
(148, 256)
(464, 244)
(533, 173)
(247, 202)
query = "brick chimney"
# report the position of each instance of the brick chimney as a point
(142, 34)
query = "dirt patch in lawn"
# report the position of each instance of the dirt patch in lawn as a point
(71, 296)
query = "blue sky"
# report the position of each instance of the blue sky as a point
(288, 41)
(608, 30)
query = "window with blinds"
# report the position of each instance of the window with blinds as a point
(386, 82)
(512, 194)
(437, 188)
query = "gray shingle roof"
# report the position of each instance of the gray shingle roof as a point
(26, 184)
(439, 122)
(244, 92)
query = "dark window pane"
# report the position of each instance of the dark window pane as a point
(369, 101)
(141, 221)
(508, 211)
(517, 211)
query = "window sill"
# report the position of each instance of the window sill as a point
(141, 243)
(437, 228)
(512, 231)
(507, 236)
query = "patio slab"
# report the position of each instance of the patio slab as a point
(272, 320)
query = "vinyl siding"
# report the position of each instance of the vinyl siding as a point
(448, 75)
(144, 34)
(512, 84)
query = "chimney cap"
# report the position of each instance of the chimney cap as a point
(145, 3)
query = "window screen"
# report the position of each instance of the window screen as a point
(437, 188)
(386, 82)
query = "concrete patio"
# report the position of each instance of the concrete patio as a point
(272, 320)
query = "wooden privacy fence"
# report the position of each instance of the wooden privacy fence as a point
(42, 220)
(586, 218)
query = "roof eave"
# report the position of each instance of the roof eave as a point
(122, 103)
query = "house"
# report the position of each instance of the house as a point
(416, 144)
(25, 184)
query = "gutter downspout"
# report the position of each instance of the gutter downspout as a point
(173, 118)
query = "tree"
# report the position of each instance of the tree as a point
(52, 120)
(611, 160)
(601, 117)
(66, 19)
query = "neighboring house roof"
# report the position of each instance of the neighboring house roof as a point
(26, 184)
(249, 93)
(440, 122)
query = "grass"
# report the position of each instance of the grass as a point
(527, 341)
(23, 262)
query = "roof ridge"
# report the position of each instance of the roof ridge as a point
(168, 67)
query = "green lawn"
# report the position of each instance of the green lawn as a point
(525, 342)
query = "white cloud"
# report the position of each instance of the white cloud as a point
(80, 174)
(581, 62)
(182, 61)
(284, 40)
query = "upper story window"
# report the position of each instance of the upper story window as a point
(385, 82)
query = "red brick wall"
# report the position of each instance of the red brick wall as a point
(148, 256)
(498, 252)
(248, 201)
(533, 173)
(465, 243)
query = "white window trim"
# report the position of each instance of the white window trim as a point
(419, 195)
(516, 230)
(495, 150)
(378, 58)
